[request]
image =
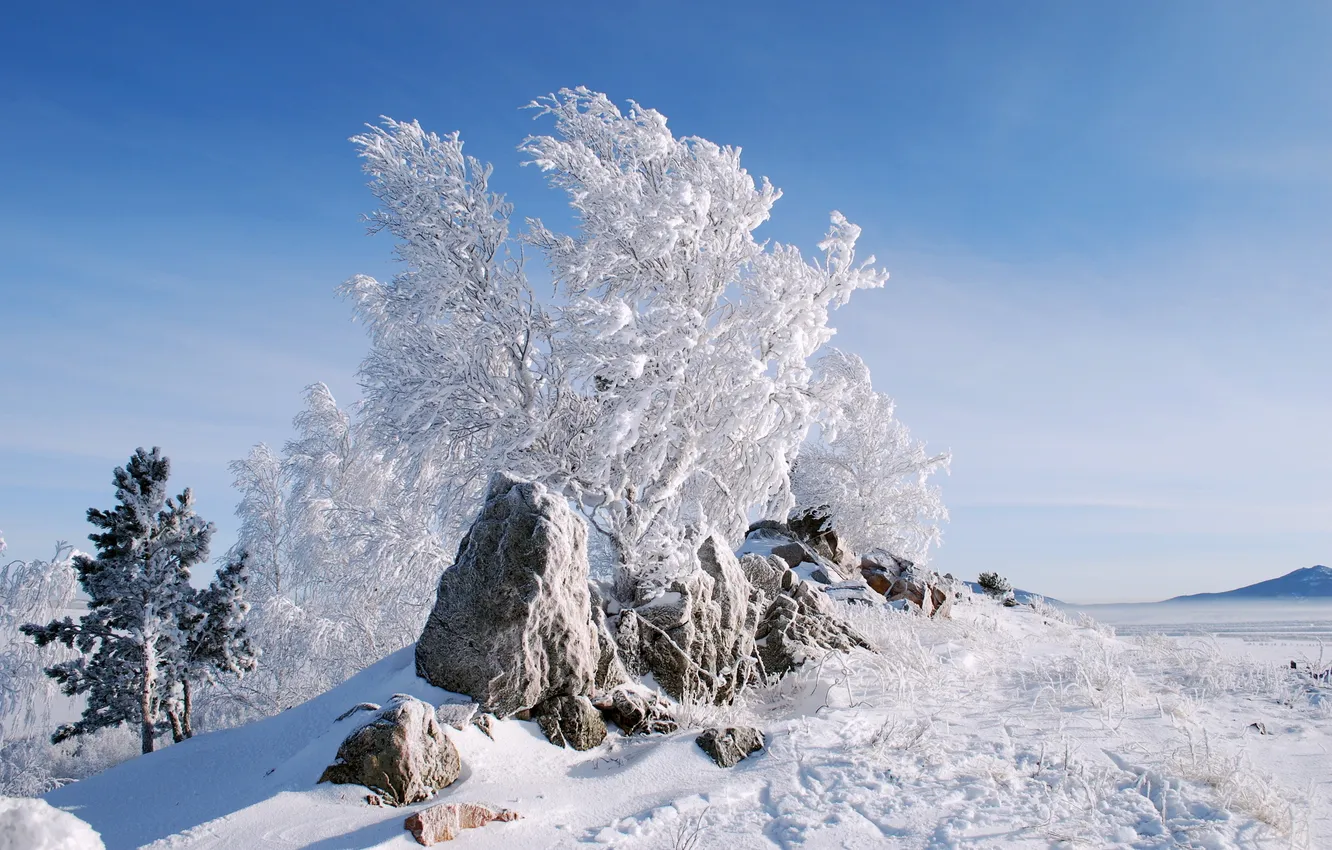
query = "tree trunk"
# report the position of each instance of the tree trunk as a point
(146, 702)
(177, 731)
(187, 709)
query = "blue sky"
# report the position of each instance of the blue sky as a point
(1107, 225)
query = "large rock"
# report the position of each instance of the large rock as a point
(399, 751)
(800, 623)
(570, 722)
(728, 747)
(445, 821)
(513, 624)
(697, 638)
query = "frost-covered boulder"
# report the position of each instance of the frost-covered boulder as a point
(447, 820)
(30, 824)
(764, 573)
(814, 528)
(513, 623)
(729, 746)
(637, 712)
(696, 639)
(800, 623)
(570, 721)
(774, 540)
(400, 751)
(901, 581)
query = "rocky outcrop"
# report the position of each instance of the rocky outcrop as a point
(764, 573)
(901, 581)
(570, 721)
(798, 624)
(513, 624)
(814, 528)
(728, 747)
(637, 713)
(399, 751)
(697, 638)
(445, 821)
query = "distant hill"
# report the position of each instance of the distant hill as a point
(1023, 596)
(1307, 583)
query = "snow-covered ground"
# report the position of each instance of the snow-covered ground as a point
(1000, 728)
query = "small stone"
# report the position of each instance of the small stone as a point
(729, 746)
(444, 822)
(637, 713)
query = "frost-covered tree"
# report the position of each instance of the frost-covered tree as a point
(131, 640)
(692, 338)
(669, 388)
(867, 469)
(458, 381)
(29, 591)
(338, 550)
(216, 641)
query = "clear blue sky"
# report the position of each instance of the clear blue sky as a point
(1108, 226)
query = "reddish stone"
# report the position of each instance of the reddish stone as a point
(444, 822)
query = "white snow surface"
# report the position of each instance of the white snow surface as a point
(1001, 728)
(28, 824)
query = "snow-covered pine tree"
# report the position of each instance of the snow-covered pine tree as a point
(131, 640)
(216, 641)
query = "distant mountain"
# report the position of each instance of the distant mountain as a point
(1307, 583)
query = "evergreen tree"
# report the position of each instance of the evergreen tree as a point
(134, 638)
(216, 641)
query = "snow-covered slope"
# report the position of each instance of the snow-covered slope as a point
(1308, 583)
(1001, 728)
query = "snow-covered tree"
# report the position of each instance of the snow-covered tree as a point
(867, 469)
(29, 591)
(338, 549)
(692, 338)
(131, 641)
(668, 391)
(216, 641)
(459, 381)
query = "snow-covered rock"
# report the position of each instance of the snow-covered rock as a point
(729, 746)
(512, 623)
(570, 721)
(638, 712)
(399, 751)
(798, 624)
(697, 638)
(30, 824)
(900, 580)
(814, 527)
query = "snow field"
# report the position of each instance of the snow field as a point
(1001, 728)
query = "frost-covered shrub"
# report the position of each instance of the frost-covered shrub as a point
(994, 584)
